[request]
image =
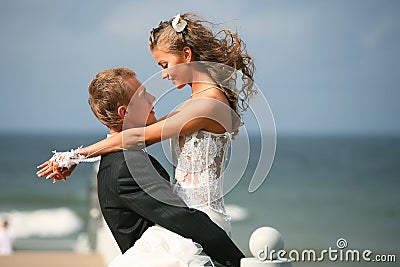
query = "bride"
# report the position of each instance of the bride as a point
(200, 130)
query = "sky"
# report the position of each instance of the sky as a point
(325, 67)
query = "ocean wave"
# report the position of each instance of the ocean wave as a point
(42, 223)
(236, 212)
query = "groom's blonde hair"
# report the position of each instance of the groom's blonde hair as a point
(107, 91)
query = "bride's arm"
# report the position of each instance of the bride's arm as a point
(192, 116)
(128, 139)
(62, 164)
(114, 143)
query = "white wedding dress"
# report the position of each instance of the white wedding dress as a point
(200, 160)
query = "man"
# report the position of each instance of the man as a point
(117, 99)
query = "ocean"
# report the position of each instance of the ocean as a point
(319, 190)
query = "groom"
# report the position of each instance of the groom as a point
(117, 98)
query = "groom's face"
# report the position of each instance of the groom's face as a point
(139, 111)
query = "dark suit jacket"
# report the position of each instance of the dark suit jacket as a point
(135, 196)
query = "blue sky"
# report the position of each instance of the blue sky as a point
(326, 67)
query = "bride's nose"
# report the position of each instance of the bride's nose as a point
(164, 74)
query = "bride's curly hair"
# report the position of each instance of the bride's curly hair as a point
(224, 47)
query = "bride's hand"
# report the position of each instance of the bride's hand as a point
(52, 170)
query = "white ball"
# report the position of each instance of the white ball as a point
(265, 239)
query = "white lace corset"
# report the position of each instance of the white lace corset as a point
(199, 160)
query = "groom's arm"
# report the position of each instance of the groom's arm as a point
(148, 194)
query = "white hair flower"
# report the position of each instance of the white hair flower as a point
(178, 23)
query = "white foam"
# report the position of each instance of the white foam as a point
(236, 212)
(42, 223)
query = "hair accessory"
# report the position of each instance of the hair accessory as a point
(178, 23)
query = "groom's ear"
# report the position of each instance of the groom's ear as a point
(121, 111)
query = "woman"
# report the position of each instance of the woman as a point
(189, 53)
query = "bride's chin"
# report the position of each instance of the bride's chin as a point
(180, 86)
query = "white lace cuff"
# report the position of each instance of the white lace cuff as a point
(70, 158)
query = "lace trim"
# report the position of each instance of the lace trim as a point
(68, 159)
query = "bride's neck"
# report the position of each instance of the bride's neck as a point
(197, 86)
(201, 80)
(112, 132)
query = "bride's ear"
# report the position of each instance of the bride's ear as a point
(188, 54)
(121, 111)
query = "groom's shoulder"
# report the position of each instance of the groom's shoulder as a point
(124, 162)
(119, 158)
(123, 155)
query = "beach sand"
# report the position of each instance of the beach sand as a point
(51, 259)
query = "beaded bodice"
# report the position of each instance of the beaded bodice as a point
(199, 160)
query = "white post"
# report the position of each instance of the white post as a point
(265, 244)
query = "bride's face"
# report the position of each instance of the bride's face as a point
(139, 111)
(173, 67)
